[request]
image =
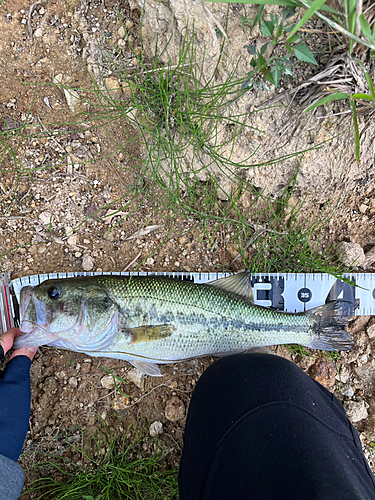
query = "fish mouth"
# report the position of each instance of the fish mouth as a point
(36, 337)
(33, 314)
(26, 326)
(33, 321)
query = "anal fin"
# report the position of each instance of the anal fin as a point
(151, 369)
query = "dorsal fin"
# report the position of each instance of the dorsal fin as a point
(238, 284)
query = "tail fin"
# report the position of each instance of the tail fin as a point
(327, 325)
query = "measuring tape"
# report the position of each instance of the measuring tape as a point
(289, 292)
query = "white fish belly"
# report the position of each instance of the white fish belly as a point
(185, 344)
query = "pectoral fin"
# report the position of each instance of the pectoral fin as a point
(239, 284)
(147, 368)
(148, 333)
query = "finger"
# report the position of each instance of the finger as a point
(7, 339)
(26, 351)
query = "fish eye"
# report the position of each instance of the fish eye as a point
(54, 292)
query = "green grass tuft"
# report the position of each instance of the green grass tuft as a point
(110, 471)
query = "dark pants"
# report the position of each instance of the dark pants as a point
(15, 399)
(259, 428)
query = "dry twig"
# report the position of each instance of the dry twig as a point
(132, 262)
(31, 10)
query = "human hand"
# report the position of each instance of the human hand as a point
(14, 396)
(6, 343)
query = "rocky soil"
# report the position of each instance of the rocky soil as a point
(52, 221)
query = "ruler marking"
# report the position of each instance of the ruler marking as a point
(296, 292)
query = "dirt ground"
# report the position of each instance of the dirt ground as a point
(40, 208)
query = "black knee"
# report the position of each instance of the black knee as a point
(256, 378)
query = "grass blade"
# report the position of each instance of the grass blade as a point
(369, 81)
(365, 26)
(333, 97)
(339, 28)
(351, 20)
(363, 96)
(310, 12)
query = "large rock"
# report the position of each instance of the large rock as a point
(323, 172)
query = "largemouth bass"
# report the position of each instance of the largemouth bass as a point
(151, 320)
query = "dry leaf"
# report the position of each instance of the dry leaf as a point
(143, 232)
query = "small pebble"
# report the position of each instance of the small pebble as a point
(73, 381)
(42, 247)
(45, 217)
(347, 390)
(136, 377)
(121, 32)
(72, 241)
(86, 368)
(156, 428)
(350, 254)
(113, 86)
(323, 372)
(356, 411)
(107, 382)
(119, 404)
(87, 263)
(371, 331)
(362, 360)
(174, 409)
